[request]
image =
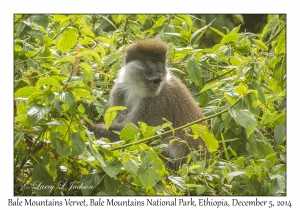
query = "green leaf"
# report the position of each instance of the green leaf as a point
(78, 145)
(217, 31)
(17, 138)
(39, 96)
(67, 59)
(91, 181)
(278, 184)
(112, 168)
(233, 174)
(24, 120)
(62, 17)
(202, 131)
(229, 38)
(26, 91)
(148, 177)
(131, 166)
(194, 71)
(152, 168)
(198, 34)
(249, 171)
(108, 20)
(177, 180)
(40, 177)
(185, 18)
(111, 114)
(210, 86)
(37, 112)
(281, 43)
(125, 190)
(93, 54)
(97, 156)
(62, 148)
(87, 70)
(66, 40)
(262, 151)
(67, 98)
(41, 20)
(111, 185)
(279, 133)
(81, 108)
(244, 118)
(129, 132)
(260, 44)
(261, 95)
(88, 32)
(48, 82)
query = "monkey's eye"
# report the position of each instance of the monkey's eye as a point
(151, 61)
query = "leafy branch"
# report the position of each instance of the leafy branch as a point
(176, 129)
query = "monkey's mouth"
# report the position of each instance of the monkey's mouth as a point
(156, 81)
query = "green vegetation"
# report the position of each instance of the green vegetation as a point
(64, 67)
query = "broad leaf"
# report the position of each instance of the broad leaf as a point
(112, 168)
(90, 181)
(194, 71)
(49, 82)
(261, 95)
(279, 133)
(67, 98)
(111, 114)
(42, 182)
(111, 185)
(26, 91)
(233, 174)
(152, 168)
(177, 180)
(244, 118)
(93, 54)
(131, 166)
(261, 44)
(78, 145)
(229, 38)
(202, 131)
(129, 132)
(87, 70)
(62, 148)
(262, 151)
(66, 40)
(37, 112)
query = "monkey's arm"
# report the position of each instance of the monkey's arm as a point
(101, 131)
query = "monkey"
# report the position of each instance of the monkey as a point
(150, 92)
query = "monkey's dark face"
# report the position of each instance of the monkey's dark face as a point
(155, 70)
(145, 76)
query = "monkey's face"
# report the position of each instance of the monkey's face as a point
(155, 70)
(147, 76)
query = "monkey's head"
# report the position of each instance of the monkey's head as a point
(146, 65)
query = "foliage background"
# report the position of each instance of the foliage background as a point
(61, 59)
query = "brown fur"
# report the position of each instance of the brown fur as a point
(173, 101)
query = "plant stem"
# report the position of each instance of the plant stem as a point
(221, 75)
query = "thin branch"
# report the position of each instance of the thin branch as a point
(125, 29)
(74, 71)
(221, 75)
(176, 129)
